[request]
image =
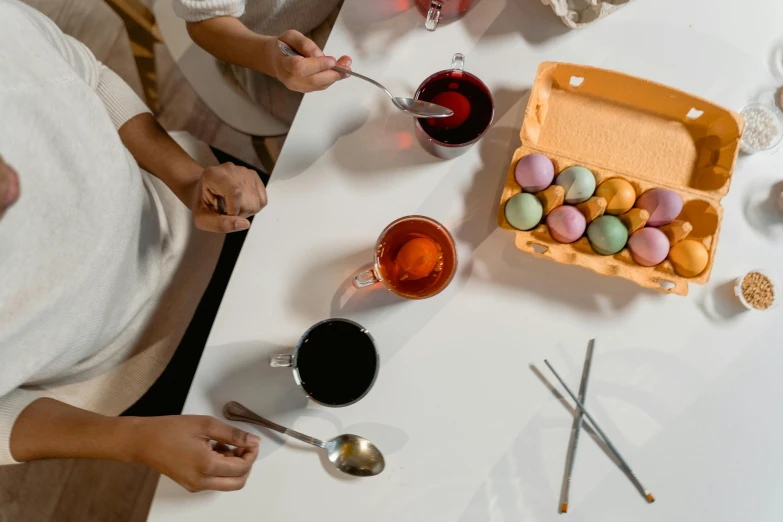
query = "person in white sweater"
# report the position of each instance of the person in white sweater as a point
(101, 266)
(244, 33)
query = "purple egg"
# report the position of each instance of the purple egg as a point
(648, 246)
(663, 205)
(566, 224)
(534, 172)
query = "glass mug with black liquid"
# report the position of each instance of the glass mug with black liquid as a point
(335, 362)
(471, 102)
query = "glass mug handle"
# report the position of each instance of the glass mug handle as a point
(281, 361)
(433, 15)
(366, 278)
(458, 62)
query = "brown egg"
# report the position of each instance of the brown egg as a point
(689, 257)
(417, 258)
(619, 195)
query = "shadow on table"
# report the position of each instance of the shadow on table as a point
(536, 22)
(720, 304)
(308, 152)
(270, 392)
(375, 26)
(762, 209)
(387, 142)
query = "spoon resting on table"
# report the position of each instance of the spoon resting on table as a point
(350, 454)
(416, 108)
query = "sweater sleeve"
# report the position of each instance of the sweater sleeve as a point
(11, 406)
(200, 10)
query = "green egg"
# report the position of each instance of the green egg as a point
(607, 235)
(579, 184)
(524, 211)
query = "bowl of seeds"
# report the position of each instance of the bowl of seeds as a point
(756, 290)
(763, 128)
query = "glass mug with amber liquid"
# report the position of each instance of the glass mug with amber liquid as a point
(415, 258)
(437, 10)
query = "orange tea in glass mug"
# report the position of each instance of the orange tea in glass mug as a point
(415, 258)
(446, 10)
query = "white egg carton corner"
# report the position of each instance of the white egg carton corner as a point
(579, 13)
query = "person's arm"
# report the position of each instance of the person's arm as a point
(221, 197)
(228, 39)
(177, 446)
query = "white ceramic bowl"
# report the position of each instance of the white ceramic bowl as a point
(745, 303)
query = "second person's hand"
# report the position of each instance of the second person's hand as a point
(307, 73)
(180, 447)
(225, 196)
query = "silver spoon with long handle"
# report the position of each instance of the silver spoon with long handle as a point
(416, 108)
(350, 454)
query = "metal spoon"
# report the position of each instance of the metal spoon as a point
(416, 108)
(350, 454)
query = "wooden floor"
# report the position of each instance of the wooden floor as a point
(104, 491)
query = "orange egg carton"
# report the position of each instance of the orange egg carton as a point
(651, 135)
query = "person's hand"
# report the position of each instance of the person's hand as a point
(307, 73)
(180, 447)
(9, 187)
(225, 196)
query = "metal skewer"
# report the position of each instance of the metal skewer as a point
(571, 456)
(649, 496)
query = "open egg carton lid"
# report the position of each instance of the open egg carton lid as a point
(579, 13)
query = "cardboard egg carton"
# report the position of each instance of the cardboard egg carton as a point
(579, 13)
(648, 134)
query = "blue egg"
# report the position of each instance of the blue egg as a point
(578, 183)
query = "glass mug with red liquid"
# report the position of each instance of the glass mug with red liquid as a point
(415, 258)
(435, 10)
(471, 102)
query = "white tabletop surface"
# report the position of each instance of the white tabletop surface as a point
(687, 387)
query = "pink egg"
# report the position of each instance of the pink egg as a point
(456, 102)
(534, 172)
(566, 224)
(648, 246)
(663, 205)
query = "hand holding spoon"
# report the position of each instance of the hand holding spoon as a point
(350, 454)
(416, 108)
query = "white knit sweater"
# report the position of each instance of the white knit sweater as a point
(93, 250)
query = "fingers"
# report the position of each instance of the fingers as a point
(211, 222)
(301, 43)
(229, 466)
(300, 68)
(221, 432)
(224, 483)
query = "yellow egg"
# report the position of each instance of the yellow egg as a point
(619, 195)
(689, 257)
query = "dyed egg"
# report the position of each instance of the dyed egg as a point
(534, 172)
(566, 224)
(524, 211)
(417, 258)
(619, 195)
(607, 235)
(578, 182)
(663, 205)
(648, 246)
(689, 257)
(456, 102)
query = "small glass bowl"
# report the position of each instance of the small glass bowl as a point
(748, 149)
(745, 303)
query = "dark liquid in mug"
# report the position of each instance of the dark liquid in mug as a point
(337, 363)
(467, 97)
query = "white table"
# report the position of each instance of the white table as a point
(686, 387)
